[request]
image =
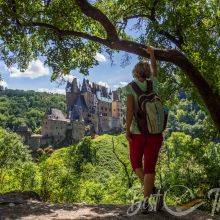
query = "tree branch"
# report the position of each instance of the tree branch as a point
(113, 43)
(124, 45)
(97, 15)
(12, 4)
(170, 37)
(153, 9)
(152, 17)
(161, 32)
(61, 32)
(123, 164)
(177, 41)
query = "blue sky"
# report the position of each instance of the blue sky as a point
(37, 76)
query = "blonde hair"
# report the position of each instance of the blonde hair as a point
(142, 66)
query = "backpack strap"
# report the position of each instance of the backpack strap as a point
(136, 88)
(149, 86)
(138, 91)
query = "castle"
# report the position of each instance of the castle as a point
(91, 109)
(93, 104)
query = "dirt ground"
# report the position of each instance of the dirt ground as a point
(28, 207)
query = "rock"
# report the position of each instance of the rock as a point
(18, 197)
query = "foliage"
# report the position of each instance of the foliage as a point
(187, 117)
(19, 107)
(16, 167)
(189, 161)
(189, 21)
(13, 152)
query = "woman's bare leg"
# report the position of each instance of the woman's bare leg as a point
(140, 173)
(148, 184)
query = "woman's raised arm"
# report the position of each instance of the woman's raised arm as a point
(153, 64)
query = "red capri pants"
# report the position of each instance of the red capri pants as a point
(147, 146)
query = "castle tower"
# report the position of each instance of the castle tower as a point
(86, 87)
(88, 94)
(72, 92)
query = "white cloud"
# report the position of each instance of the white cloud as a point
(99, 57)
(121, 84)
(53, 91)
(3, 66)
(35, 69)
(69, 78)
(3, 83)
(103, 84)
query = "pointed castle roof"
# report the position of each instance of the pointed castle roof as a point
(86, 87)
(72, 86)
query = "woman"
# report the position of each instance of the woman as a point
(141, 144)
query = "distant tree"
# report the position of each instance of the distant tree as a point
(34, 117)
(81, 154)
(69, 33)
(13, 154)
(193, 158)
(187, 117)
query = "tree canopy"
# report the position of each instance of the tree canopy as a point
(69, 33)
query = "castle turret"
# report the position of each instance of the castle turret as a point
(86, 86)
(72, 91)
(88, 93)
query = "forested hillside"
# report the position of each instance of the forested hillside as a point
(27, 107)
(98, 170)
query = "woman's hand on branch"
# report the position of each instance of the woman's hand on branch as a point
(150, 50)
(153, 66)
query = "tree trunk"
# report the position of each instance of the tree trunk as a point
(210, 98)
